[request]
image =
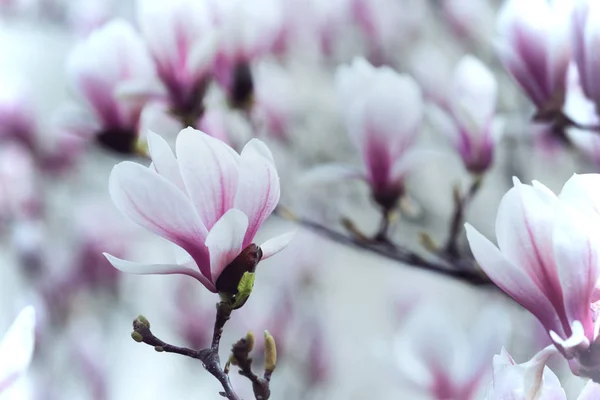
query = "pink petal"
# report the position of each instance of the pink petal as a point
(225, 240)
(16, 347)
(583, 191)
(209, 169)
(258, 191)
(577, 262)
(276, 244)
(159, 206)
(164, 160)
(137, 268)
(510, 278)
(576, 341)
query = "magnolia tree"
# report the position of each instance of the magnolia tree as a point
(294, 163)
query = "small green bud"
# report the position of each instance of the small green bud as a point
(270, 353)
(159, 349)
(137, 337)
(144, 321)
(249, 341)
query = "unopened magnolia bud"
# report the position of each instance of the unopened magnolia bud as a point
(144, 321)
(137, 337)
(270, 353)
(249, 341)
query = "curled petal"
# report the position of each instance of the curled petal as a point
(577, 340)
(132, 267)
(276, 244)
(164, 160)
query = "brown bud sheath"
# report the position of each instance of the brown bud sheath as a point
(246, 262)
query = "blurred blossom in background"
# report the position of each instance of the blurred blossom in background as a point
(338, 149)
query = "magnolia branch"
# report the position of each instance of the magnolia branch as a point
(209, 357)
(465, 270)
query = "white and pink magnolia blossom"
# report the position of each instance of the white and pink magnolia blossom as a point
(548, 260)
(209, 201)
(469, 119)
(182, 39)
(18, 118)
(534, 47)
(113, 74)
(382, 111)
(586, 39)
(441, 358)
(19, 187)
(531, 380)
(16, 348)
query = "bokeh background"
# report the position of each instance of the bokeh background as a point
(349, 324)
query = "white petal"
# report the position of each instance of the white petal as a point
(276, 244)
(159, 206)
(583, 191)
(164, 160)
(209, 169)
(137, 268)
(591, 391)
(16, 347)
(258, 192)
(225, 240)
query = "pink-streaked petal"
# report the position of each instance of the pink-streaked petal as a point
(209, 169)
(16, 348)
(225, 240)
(159, 206)
(524, 226)
(510, 278)
(591, 391)
(137, 268)
(276, 244)
(163, 159)
(577, 262)
(258, 191)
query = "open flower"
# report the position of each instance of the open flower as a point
(468, 121)
(548, 260)
(534, 48)
(209, 201)
(586, 38)
(16, 348)
(383, 112)
(113, 74)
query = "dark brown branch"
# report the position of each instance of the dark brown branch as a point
(209, 357)
(464, 270)
(461, 201)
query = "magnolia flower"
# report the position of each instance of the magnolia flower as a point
(548, 260)
(586, 38)
(19, 190)
(452, 365)
(468, 121)
(182, 40)
(17, 116)
(534, 48)
(579, 108)
(16, 348)
(383, 112)
(209, 201)
(113, 75)
(531, 380)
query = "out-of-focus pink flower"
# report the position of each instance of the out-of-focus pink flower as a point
(183, 41)
(582, 110)
(530, 380)
(246, 31)
(86, 16)
(19, 190)
(275, 99)
(209, 201)
(469, 19)
(469, 119)
(18, 119)
(548, 260)
(113, 74)
(383, 112)
(586, 38)
(16, 348)
(534, 48)
(452, 365)
(215, 123)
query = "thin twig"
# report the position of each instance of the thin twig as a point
(464, 270)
